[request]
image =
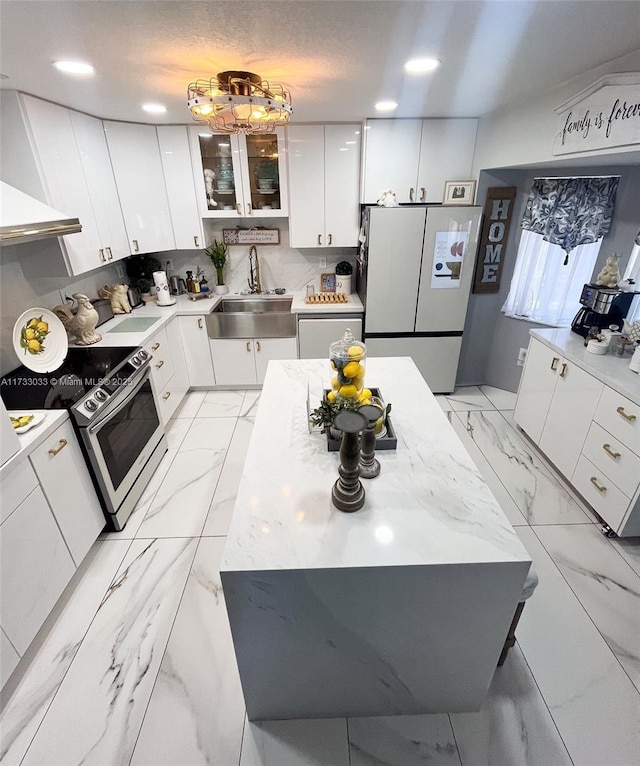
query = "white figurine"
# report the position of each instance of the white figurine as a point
(117, 294)
(83, 323)
(388, 199)
(610, 274)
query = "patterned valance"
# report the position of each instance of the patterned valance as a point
(571, 211)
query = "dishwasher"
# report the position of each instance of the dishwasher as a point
(317, 331)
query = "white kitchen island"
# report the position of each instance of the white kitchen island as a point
(399, 608)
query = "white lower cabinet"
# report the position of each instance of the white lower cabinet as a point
(195, 343)
(65, 481)
(239, 362)
(536, 389)
(169, 377)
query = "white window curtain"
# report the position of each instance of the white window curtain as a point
(633, 272)
(543, 289)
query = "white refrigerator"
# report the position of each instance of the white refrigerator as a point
(414, 276)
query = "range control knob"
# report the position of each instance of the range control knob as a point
(91, 405)
(101, 395)
(143, 355)
(135, 361)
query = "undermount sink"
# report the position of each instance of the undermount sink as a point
(252, 317)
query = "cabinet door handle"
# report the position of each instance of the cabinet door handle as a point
(319, 239)
(412, 191)
(136, 247)
(628, 418)
(248, 345)
(423, 194)
(238, 208)
(196, 241)
(563, 371)
(159, 365)
(258, 344)
(200, 323)
(102, 258)
(61, 445)
(167, 395)
(330, 238)
(108, 249)
(599, 487)
(155, 347)
(554, 363)
(609, 451)
(249, 208)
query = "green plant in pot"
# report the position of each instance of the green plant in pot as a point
(218, 254)
(144, 286)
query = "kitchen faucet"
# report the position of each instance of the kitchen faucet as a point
(254, 271)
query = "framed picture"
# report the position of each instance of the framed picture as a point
(328, 283)
(251, 236)
(459, 192)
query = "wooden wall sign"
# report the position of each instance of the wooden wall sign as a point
(498, 209)
(251, 236)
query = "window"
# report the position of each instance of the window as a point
(633, 272)
(543, 289)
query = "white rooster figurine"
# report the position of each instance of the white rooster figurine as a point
(83, 323)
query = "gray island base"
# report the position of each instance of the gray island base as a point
(399, 608)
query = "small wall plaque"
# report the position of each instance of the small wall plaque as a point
(251, 236)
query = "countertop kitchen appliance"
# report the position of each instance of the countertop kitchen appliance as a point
(108, 394)
(414, 276)
(601, 307)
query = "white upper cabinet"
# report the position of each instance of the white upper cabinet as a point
(135, 157)
(324, 168)
(181, 192)
(238, 176)
(94, 155)
(416, 157)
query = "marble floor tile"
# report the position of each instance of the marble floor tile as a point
(514, 726)
(250, 403)
(407, 740)
(190, 404)
(224, 498)
(50, 660)
(595, 706)
(505, 500)
(95, 717)
(469, 398)
(501, 399)
(318, 742)
(175, 431)
(629, 549)
(180, 506)
(221, 404)
(605, 585)
(196, 712)
(444, 403)
(540, 497)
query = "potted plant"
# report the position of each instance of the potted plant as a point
(218, 254)
(144, 285)
(344, 270)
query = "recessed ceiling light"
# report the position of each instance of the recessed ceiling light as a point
(351, 142)
(74, 67)
(386, 106)
(154, 108)
(421, 66)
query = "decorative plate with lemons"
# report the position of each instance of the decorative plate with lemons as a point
(23, 421)
(40, 340)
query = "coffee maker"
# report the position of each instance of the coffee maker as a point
(601, 307)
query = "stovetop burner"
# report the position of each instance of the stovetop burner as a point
(82, 370)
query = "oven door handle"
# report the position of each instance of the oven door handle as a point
(97, 426)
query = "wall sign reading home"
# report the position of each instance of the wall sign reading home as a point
(604, 115)
(498, 208)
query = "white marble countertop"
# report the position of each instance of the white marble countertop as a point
(34, 436)
(612, 370)
(429, 506)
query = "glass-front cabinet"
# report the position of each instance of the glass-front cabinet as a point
(238, 175)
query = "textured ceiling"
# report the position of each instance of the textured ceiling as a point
(338, 58)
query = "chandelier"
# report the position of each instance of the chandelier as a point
(239, 102)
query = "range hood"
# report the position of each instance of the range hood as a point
(24, 219)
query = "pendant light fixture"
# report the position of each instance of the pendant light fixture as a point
(239, 102)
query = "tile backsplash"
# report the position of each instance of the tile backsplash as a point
(280, 266)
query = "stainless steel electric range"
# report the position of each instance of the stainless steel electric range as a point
(108, 394)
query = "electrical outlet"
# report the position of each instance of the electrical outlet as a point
(168, 265)
(323, 262)
(522, 355)
(63, 297)
(119, 270)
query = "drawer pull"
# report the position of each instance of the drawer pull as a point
(61, 445)
(319, 239)
(258, 344)
(330, 239)
(167, 395)
(248, 345)
(609, 451)
(200, 323)
(554, 363)
(412, 191)
(102, 258)
(594, 481)
(108, 249)
(563, 371)
(136, 246)
(423, 194)
(155, 347)
(238, 208)
(249, 209)
(159, 365)
(196, 242)
(629, 418)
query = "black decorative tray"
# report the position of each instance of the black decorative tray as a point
(388, 441)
